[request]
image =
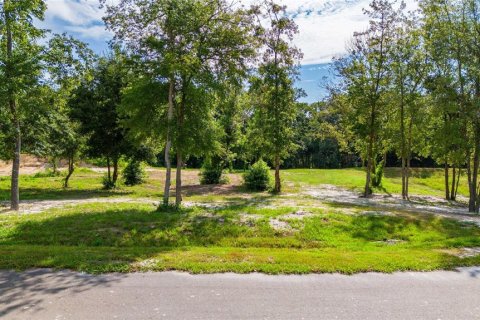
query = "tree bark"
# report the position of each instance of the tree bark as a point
(14, 190)
(115, 172)
(447, 184)
(168, 145)
(178, 184)
(454, 183)
(368, 190)
(71, 168)
(109, 175)
(278, 182)
(473, 174)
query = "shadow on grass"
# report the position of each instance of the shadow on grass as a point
(125, 228)
(426, 231)
(23, 293)
(420, 173)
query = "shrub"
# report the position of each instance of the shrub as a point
(48, 173)
(133, 173)
(211, 172)
(107, 183)
(257, 178)
(378, 175)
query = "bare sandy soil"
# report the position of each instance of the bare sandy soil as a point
(28, 165)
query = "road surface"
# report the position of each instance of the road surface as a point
(47, 294)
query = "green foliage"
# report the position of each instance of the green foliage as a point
(211, 172)
(108, 183)
(48, 174)
(378, 175)
(134, 174)
(257, 178)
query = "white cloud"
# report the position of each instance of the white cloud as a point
(325, 25)
(74, 12)
(96, 32)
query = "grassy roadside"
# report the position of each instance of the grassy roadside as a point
(133, 237)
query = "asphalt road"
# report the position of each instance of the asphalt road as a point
(46, 294)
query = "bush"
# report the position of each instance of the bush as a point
(107, 183)
(211, 172)
(378, 175)
(133, 173)
(257, 178)
(48, 173)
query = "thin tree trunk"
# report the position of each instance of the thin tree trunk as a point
(15, 192)
(447, 184)
(409, 155)
(54, 165)
(408, 177)
(404, 178)
(454, 182)
(168, 164)
(473, 175)
(71, 168)
(403, 144)
(115, 171)
(108, 170)
(278, 183)
(368, 189)
(458, 182)
(178, 184)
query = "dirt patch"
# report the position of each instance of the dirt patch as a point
(38, 206)
(469, 252)
(299, 215)
(28, 165)
(214, 189)
(280, 225)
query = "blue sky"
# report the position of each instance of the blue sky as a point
(325, 27)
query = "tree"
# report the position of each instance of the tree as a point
(69, 62)
(364, 72)
(189, 47)
(94, 105)
(453, 45)
(408, 67)
(272, 88)
(20, 70)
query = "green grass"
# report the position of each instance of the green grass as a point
(132, 237)
(422, 181)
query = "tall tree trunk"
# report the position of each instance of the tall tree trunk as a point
(404, 178)
(15, 192)
(54, 165)
(109, 175)
(454, 183)
(403, 144)
(178, 184)
(371, 141)
(168, 145)
(473, 174)
(409, 156)
(407, 184)
(115, 171)
(447, 184)
(278, 183)
(71, 168)
(458, 182)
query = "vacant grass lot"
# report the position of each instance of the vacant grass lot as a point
(248, 232)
